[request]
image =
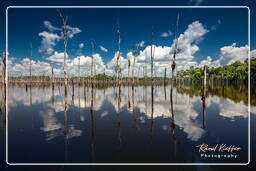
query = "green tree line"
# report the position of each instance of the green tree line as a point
(236, 71)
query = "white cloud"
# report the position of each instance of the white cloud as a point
(22, 68)
(163, 54)
(231, 54)
(81, 45)
(141, 44)
(253, 53)
(112, 64)
(71, 31)
(50, 27)
(85, 65)
(166, 34)
(57, 57)
(207, 62)
(49, 40)
(103, 49)
(188, 45)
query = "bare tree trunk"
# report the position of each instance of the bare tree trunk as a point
(64, 21)
(152, 55)
(175, 50)
(129, 65)
(79, 76)
(205, 82)
(65, 37)
(118, 69)
(4, 82)
(204, 97)
(30, 67)
(53, 76)
(4, 67)
(92, 64)
(135, 53)
(164, 76)
(146, 69)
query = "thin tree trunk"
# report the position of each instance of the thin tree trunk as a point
(30, 67)
(175, 51)
(65, 37)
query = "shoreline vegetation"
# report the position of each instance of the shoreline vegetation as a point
(233, 73)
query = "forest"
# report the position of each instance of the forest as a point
(233, 72)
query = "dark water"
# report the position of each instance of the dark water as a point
(125, 125)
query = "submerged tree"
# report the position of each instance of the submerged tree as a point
(134, 53)
(173, 66)
(65, 38)
(152, 53)
(92, 62)
(118, 55)
(30, 62)
(129, 66)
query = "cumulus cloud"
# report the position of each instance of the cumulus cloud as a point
(53, 36)
(85, 65)
(112, 64)
(166, 34)
(21, 68)
(253, 53)
(231, 54)
(103, 49)
(187, 44)
(49, 40)
(57, 57)
(207, 62)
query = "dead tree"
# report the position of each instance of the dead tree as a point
(129, 66)
(3, 67)
(203, 98)
(79, 64)
(118, 68)
(135, 53)
(205, 82)
(52, 76)
(30, 63)
(65, 38)
(175, 50)
(145, 69)
(152, 52)
(79, 76)
(164, 76)
(92, 63)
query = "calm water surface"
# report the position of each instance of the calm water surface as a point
(125, 124)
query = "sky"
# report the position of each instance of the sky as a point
(209, 36)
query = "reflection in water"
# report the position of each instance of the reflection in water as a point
(92, 122)
(117, 110)
(2, 104)
(172, 125)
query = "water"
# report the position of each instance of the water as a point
(112, 125)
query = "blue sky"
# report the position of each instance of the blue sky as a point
(221, 29)
(135, 24)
